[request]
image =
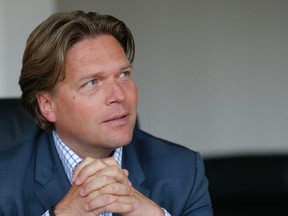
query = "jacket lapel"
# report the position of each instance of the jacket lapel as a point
(51, 181)
(130, 161)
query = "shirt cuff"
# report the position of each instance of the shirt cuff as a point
(47, 213)
(166, 212)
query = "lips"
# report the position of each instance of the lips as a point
(117, 118)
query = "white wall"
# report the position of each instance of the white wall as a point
(2, 46)
(212, 75)
(17, 19)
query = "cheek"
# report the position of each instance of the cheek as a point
(132, 93)
(66, 105)
(136, 95)
(133, 90)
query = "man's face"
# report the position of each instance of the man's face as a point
(96, 104)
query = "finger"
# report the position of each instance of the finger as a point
(117, 189)
(126, 172)
(79, 167)
(120, 175)
(110, 203)
(89, 167)
(112, 188)
(95, 183)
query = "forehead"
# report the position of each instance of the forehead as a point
(100, 47)
(95, 56)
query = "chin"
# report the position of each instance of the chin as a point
(119, 136)
(122, 140)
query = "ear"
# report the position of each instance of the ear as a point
(46, 106)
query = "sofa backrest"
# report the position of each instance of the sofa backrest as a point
(14, 122)
(248, 185)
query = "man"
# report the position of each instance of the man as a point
(86, 158)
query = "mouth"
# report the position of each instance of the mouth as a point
(117, 119)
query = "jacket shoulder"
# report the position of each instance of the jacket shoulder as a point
(21, 153)
(157, 147)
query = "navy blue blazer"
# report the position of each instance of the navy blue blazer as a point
(32, 178)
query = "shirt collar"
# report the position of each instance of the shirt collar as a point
(70, 159)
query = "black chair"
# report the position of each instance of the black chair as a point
(14, 122)
(248, 185)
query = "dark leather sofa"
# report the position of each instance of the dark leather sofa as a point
(240, 185)
(14, 122)
(248, 185)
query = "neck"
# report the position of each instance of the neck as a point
(92, 152)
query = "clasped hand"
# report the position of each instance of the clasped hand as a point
(101, 185)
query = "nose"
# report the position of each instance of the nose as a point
(114, 93)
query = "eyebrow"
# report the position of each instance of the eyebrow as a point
(89, 76)
(129, 65)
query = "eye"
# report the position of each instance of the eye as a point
(125, 74)
(91, 83)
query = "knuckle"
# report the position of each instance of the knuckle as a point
(113, 188)
(114, 169)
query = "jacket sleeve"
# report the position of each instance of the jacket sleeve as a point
(199, 202)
